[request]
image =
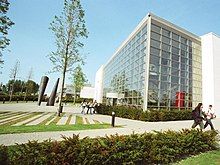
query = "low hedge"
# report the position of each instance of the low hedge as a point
(147, 148)
(150, 115)
(18, 98)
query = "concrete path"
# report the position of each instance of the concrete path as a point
(128, 127)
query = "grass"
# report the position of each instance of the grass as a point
(21, 119)
(50, 128)
(79, 120)
(210, 158)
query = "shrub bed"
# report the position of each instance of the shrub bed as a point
(147, 148)
(150, 115)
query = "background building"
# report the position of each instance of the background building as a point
(158, 65)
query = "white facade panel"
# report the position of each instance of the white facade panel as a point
(99, 85)
(211, 71)
(87, 92)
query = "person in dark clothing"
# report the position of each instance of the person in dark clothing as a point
(197, 115)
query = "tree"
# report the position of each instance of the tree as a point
(31, 87)
(69, 29)
(28, 85)
(13, 75)
(17, 86)
(79, 79)
(5, 24)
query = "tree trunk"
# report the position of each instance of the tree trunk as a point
(61, 94)
(11, 92)
(74, 100)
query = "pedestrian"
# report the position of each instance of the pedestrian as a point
(210, 114)
(95, 106)
(83, 105)
(197, 115)
(89, 107)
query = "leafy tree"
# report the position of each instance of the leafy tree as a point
(31, 87)
(5, 24)
(79, 79)
(18, 86)
(69, 29)
(13, 75)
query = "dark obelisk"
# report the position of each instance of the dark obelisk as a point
(43, 85)
(52, 98)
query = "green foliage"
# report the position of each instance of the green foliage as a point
(148, 148)
(4, 158)
(19, 98)
(5, 25)
(79, 78)
(150, 115)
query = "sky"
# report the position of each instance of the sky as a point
(109, 22)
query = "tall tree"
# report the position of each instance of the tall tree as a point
(5, 24)
(13, 76)
(79, 79)
(27, 84)
(69, 30)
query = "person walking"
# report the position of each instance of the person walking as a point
(210, 114)
(197, 115)
(89, 107)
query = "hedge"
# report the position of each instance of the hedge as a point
(147, 148)
(18, 98)
(150, 115)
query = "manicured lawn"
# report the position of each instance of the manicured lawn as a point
(49, 128)
(208, 158)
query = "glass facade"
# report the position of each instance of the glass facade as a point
(173, 58)
(124, 74)
(175, 68)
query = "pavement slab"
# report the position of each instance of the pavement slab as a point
(63, 120)
(39, 120)
(73, 119)
(28, 120)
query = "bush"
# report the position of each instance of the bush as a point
(150, 115)
(18, 98)
(147, 148)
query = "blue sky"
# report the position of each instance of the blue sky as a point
(109, 22)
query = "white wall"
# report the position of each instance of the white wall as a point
(87, 92)
(99, 85)
(211, 71)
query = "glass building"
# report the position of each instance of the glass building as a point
(159, 65)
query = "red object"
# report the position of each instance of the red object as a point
(180, 97)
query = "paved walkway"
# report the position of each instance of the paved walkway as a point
(129, 126)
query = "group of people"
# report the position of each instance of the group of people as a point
(199, 115)
(89, 106)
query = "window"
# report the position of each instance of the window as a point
(166, 54)
(155, 36)
(175, 37)
(165, 47)
(183, 40)
(165, 40)
(155, 51)
(175, 43)
(165, 61)
(166, 32)
(155, 44)
(175, 57)
(175, 50)
(155, 28)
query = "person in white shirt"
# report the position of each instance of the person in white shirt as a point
(210, 114)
